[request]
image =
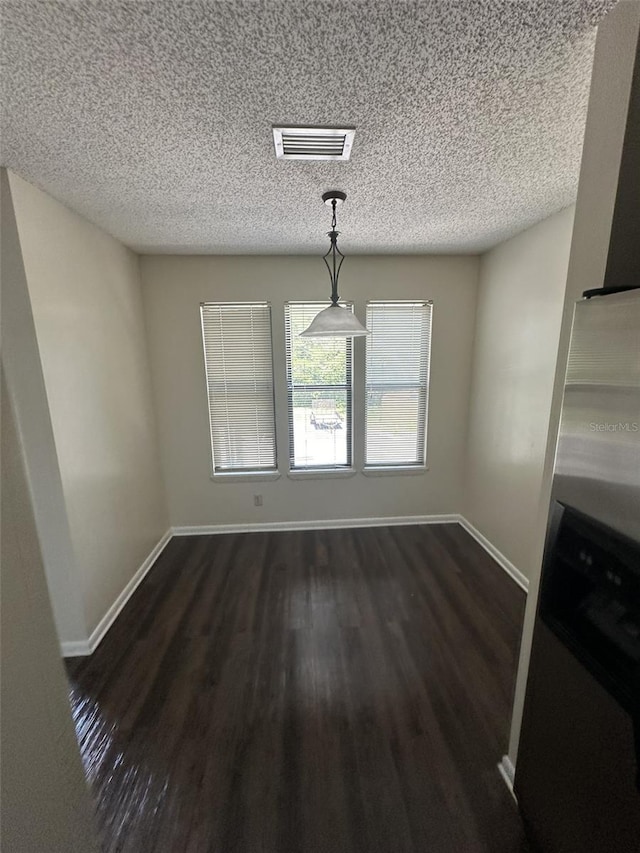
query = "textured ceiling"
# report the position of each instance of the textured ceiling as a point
(153, 119)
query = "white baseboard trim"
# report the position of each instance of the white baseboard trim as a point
(498, 556)
(508, 773)
(88, 646)
(75, 648)
(328, 524)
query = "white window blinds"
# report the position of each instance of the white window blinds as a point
(239, 370)
(319, 386)
(397, 383)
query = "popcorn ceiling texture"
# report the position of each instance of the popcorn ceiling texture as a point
(153, 119)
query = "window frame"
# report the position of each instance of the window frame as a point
(255, 474)
(320, 471)
(380, 469)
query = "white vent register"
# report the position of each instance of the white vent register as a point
(313, 143)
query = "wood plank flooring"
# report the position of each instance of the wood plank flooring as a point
(333, 691)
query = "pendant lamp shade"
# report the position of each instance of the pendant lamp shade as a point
(334, 321)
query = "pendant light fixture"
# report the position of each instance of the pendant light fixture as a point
(334, 321)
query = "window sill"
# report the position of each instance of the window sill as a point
(245, 476)
(321, 473)
(395, 471)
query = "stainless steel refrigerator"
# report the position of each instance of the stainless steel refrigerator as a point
(577, 777)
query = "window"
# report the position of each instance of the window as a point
(319, 393)
(397, 383)
(239, 369)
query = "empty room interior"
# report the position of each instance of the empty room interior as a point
(320, 426)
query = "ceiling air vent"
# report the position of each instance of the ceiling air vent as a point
(313, 143)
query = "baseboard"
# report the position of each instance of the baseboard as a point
(75, 649)
(87, 647)
(508, 773)
(498, 556)
(321, 524)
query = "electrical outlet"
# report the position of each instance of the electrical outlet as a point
(257, 500)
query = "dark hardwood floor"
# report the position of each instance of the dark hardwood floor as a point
(307, 692)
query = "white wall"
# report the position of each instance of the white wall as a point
(520, 304)
(45, 802)
(173, 289)
(21, 359)
(615, 56)
(85, 295)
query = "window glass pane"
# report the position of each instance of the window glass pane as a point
(319, 393)
(397, 382)
(239, 371)
(319, 429)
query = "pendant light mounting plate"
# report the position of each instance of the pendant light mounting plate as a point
(333, 195)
